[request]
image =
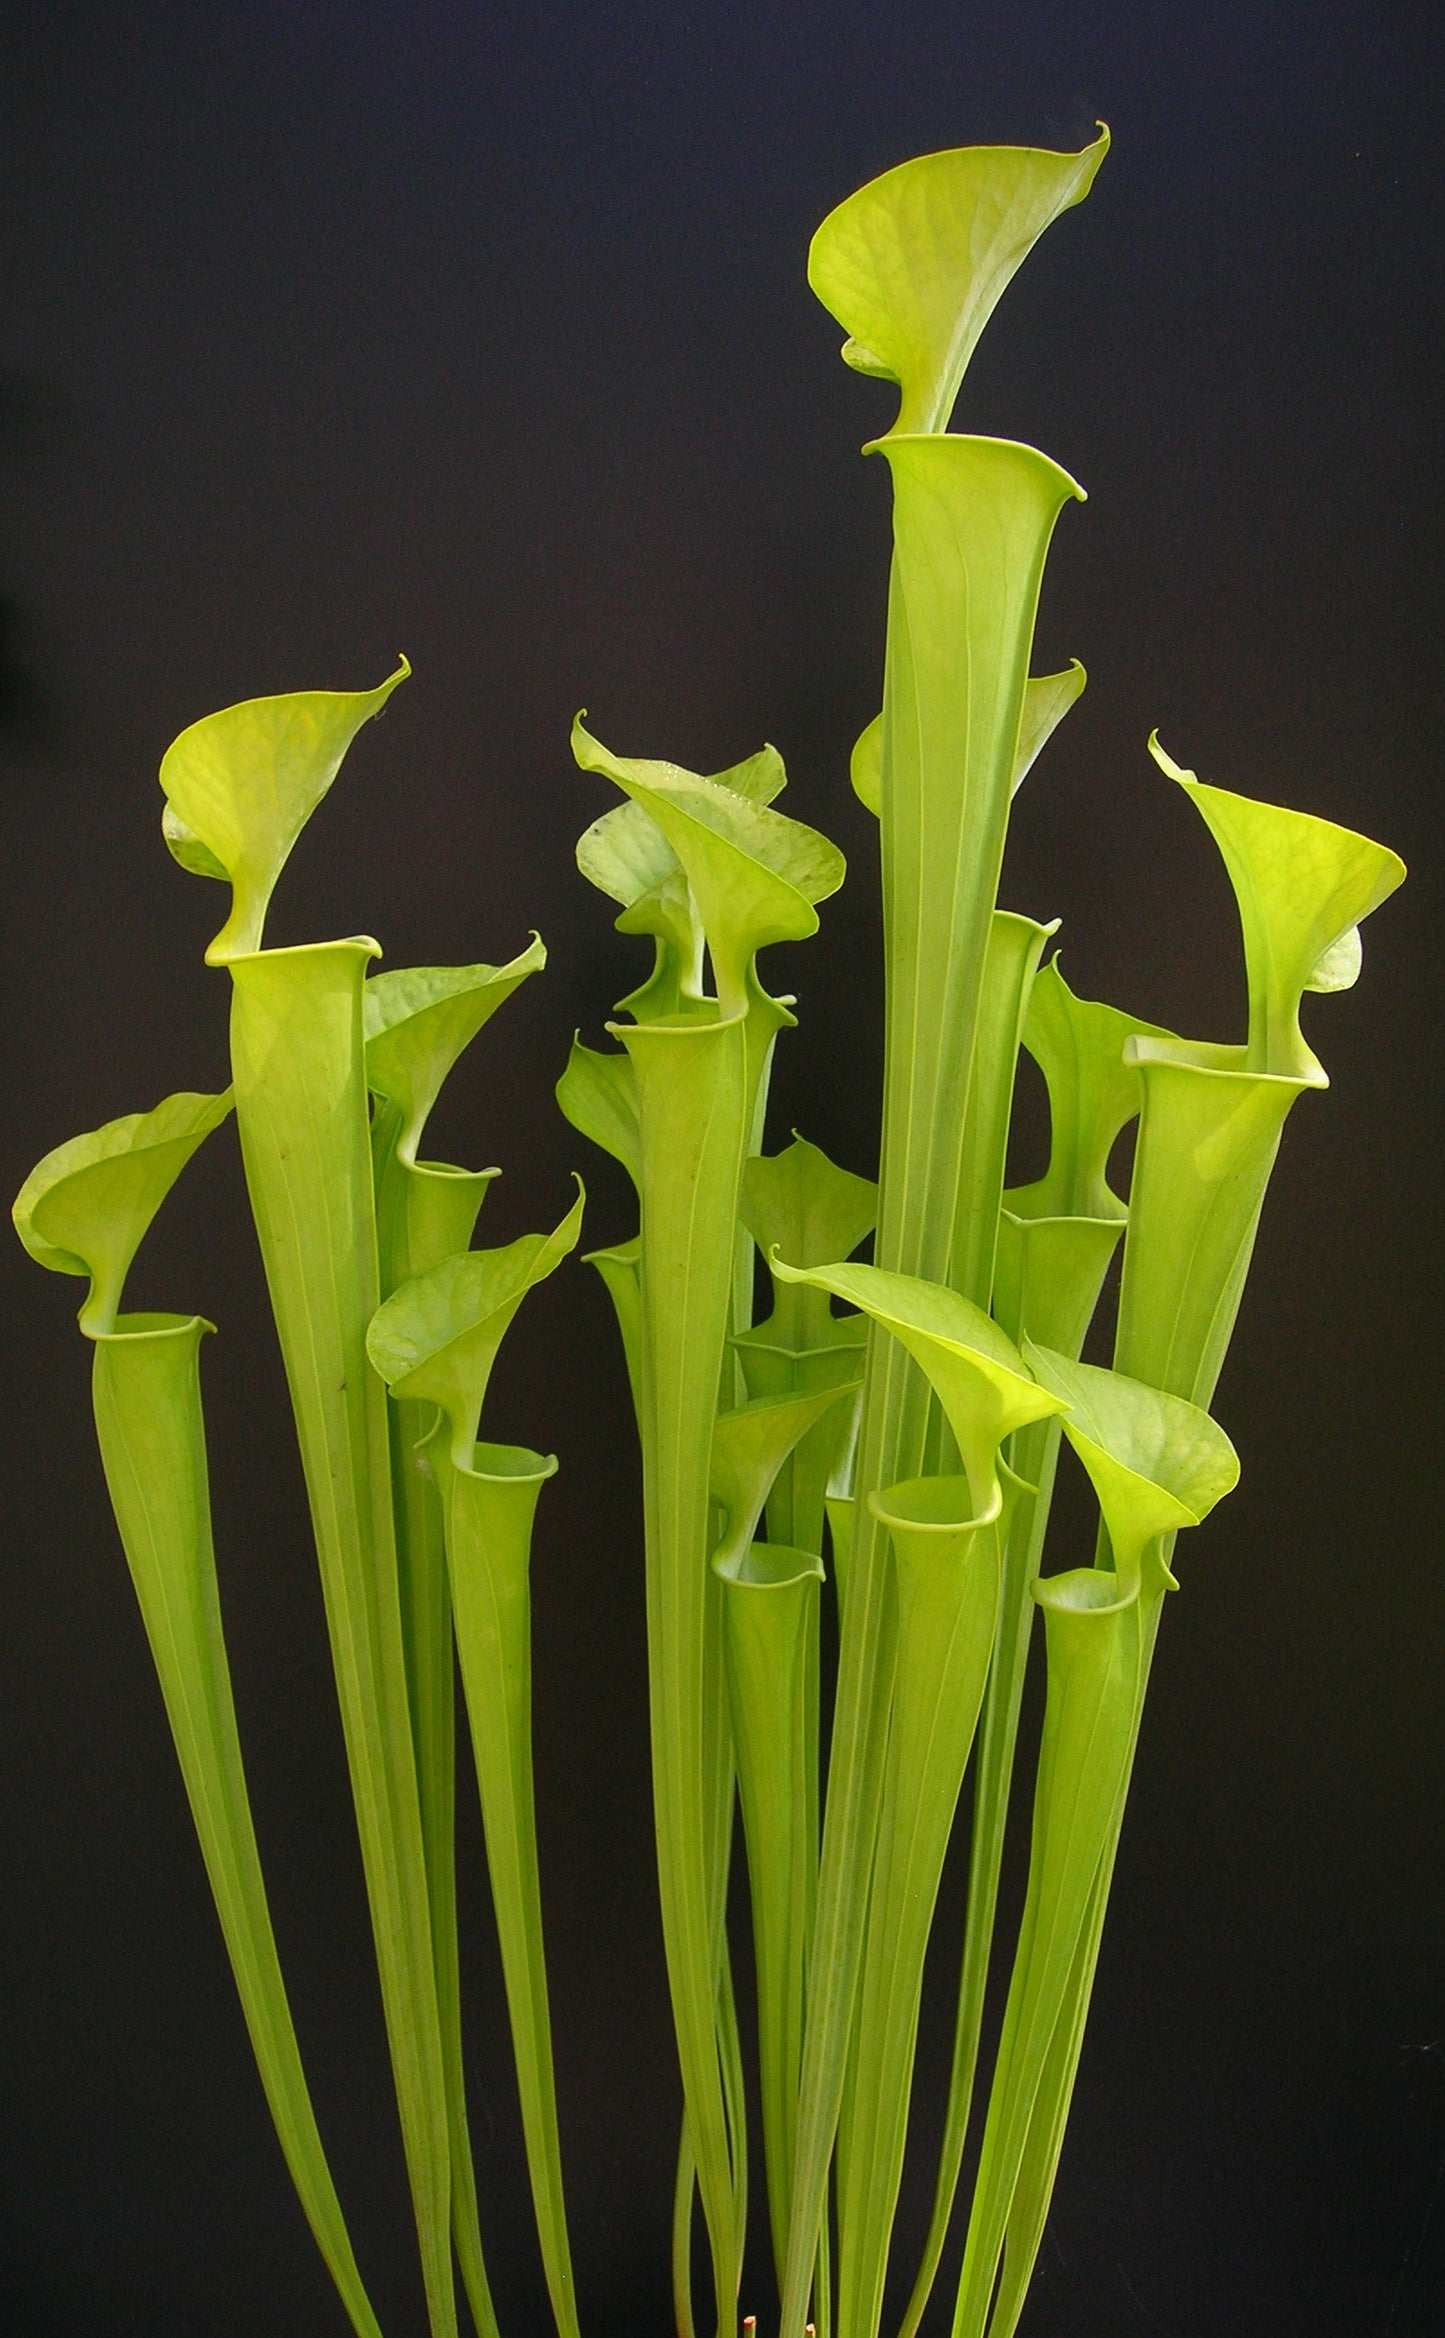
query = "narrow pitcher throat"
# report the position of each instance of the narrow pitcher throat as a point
(298, 958)
(942, 1509)
(752, 1010)
(147, 1330)
(1205, 1060)
(506, 1470)
(967, 461)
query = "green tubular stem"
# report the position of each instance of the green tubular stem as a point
(876, 1752)
(1157, 1464)
(813, 1213)
(684, 2185)
(426, 1618)
(770, 1604)
(1209, 1134)
(795, 1508)
(1096, 1663)
(435, 1341)
(823, 2269)
(768, 1638)
(620, 1269)
(840, 1536)
(823, 2282)
(1015, 946)
(695, 1104)
(865, 1679)
(802, 1505)
(730, 2057)
(1035, 1448)
(947, 1563)
(748, 878)
(425, 1210)
(735, 1386)
(1039, 2164)
(489, 1511)
(424, 1214)
(1044, 2138)
(1208, 1137)
(721, 1791)
(301, 1102)
(153, 1445)
(730, 2054)
(972, 523)
(1051, 1271)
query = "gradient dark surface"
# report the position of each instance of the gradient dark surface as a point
(482, 332)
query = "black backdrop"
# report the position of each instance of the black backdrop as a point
(482, 331)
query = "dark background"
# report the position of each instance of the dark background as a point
(482, 332)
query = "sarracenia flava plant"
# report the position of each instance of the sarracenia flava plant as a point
(883, 1474)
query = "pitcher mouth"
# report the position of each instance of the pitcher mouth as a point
(366, 942)
(1069, 486)
(1216, 1060)
(150, 1325)
(770, 1566)
(517, 1462)
(934, 1505)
